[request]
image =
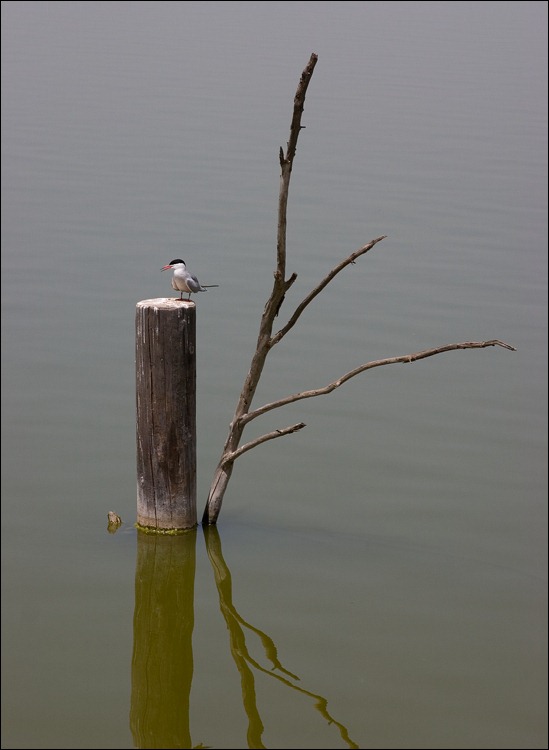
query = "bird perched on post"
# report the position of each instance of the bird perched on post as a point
(183, 281)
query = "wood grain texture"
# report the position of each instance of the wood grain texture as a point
(166, 413)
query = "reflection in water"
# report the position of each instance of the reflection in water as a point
(241, 656)
(162, 662)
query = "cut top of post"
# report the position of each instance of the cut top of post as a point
(166, 303)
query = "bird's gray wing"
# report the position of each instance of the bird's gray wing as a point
(194, 284)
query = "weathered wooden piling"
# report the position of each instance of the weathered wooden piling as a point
(165, 360)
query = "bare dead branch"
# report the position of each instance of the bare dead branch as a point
(231, 457)
(299, 103)
(266, 340)
(406, 358)
(324, 283)
(286, 163)
(281, 285)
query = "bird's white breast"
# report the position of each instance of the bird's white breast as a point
(178, 281)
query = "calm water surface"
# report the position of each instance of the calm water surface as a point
(378, 579)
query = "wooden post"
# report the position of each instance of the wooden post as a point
(165, 359)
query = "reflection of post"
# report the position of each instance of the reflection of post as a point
(162, 662)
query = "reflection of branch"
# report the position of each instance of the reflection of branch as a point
(271, 651)
(241, 654)
(238, 643)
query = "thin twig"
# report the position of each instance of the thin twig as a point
(231, 457)
(286, 164)
(324, 283)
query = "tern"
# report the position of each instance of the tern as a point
(183, 281)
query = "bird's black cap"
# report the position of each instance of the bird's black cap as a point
(177, 260)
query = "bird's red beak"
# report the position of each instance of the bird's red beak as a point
(166, 268)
